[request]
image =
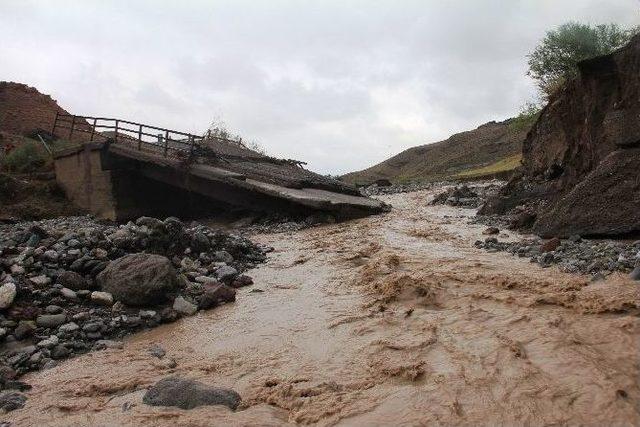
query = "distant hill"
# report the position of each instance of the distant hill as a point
(493, 149)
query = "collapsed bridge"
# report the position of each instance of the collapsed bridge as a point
(124, 169)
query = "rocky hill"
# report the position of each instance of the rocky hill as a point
(492, 149)
(25, 111)
(582, 156)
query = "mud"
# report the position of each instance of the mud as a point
(387, 320)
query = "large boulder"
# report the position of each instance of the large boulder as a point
(189, 394)
(139, 279)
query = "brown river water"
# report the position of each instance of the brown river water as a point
(389, 320)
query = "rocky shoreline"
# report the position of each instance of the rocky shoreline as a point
(573, 255)
(72, 285)
(598, 258)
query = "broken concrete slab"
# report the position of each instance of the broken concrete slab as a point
(119, 181)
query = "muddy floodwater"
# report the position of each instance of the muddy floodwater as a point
(395, 319)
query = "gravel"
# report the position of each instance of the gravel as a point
(574, 255)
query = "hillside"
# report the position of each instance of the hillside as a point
(25, 111)
(493, 148)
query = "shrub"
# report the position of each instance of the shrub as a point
(529, 113)
(27, 157)
(555, 58)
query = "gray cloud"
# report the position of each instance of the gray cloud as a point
(340, 84)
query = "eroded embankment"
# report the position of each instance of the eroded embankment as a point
(395, 319)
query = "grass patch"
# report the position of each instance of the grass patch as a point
(504, 165)
(30, 156)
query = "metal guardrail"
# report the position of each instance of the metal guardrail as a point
(125, 131)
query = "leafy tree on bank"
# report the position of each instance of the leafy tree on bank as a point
(555, 58)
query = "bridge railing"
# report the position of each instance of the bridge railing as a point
(119, 131)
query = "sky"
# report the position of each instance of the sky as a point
(340, 84)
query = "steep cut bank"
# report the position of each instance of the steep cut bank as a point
(582, 156)
(491, 149)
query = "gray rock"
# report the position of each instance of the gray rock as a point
(184, 307)
(51, 320)
(50, 342)
(49, 364)
(74, 243)
(7, 294)
(93, 326)
(226, 273)
(72, 280)
(102, 298)
(216, 294)
(635, 274)
(33, 241)
(156, 351)
(68, 294)
(200, 242)
(242, 281)
(60, 352)
(17, 269)
(51, 255)
(139, 279)
(108, 344)
(69, 327)
(53, 309)
(147, 314)
(189, 394)
(222, 256)
(24, 329)
(151, 223)
(41, 280)
(12, 400)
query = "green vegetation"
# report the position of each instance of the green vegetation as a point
(504, 165)
(28, 157)
(528, 115)
(555, 58)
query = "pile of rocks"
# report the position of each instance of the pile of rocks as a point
(574, 255)
(377, 190)
(70, 285)
(466, 196)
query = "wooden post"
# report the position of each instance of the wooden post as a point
(93, 129)
(73, 124)
(140, 138)
(166, 142)
(115, 136)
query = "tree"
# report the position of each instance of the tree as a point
(555, 58)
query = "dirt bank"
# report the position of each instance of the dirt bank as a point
(387, 320)
(580, 159)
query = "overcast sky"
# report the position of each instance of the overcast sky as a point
(339, 84)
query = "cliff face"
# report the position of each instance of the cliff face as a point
(462, 152)
(580, 153)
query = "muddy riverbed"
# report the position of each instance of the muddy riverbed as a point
(395, 319)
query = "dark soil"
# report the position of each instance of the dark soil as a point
(32, 198)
